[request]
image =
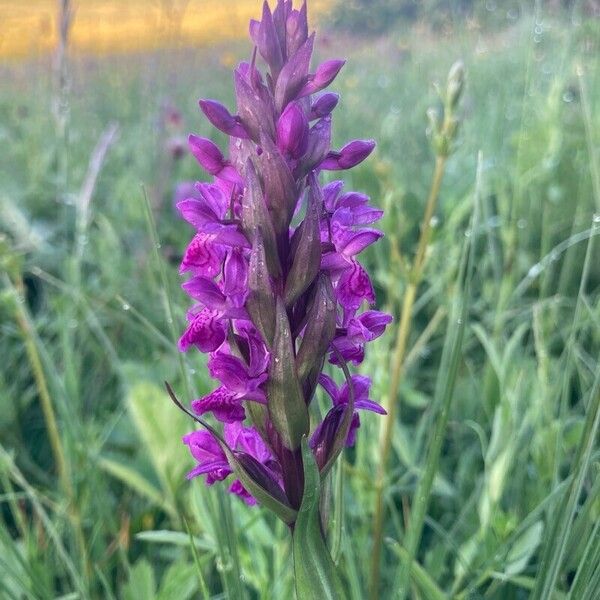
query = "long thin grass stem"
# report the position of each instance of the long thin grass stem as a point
(444, 392)
(397, 368)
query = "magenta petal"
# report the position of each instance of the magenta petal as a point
(230, 235)
(247, 439)
(238, 489)
(224, 405)
(214, 197)
(222, 119)
(212, 461)
(206, 153)
(370, 406)
(354, 287)
(375, 322)
(230, 371)
(349, 156)
(328, 384)
(360, 240)
(202, 256)
(324, 105)
(206, 291)
(196, 212)
(331, 191)
(206, 331)
(326, 72)
(361, 385)
(292, 130)
(235, 273)
(334, 261)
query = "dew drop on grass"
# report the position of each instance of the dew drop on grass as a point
(568, 96)
(125, 306)
(522, 223)
(596, 218)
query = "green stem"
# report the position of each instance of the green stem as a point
(398, 361)
(47, 406)
(444, 392)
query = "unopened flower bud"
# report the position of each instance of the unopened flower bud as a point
(324, 105)
(456, 84)
(292, 130)
(222, 119)
(349, 156)
(326, 72)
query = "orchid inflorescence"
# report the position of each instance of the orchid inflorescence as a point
(275, 275)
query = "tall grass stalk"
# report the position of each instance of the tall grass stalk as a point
(63, 469)
(397, 367)
(444, 393)
(560, 519)
(443, 135)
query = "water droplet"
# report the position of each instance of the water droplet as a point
(125, 306)
(538, 30)
(568, 96)
(434, 221)
(522, 223)
(459, 321)
(596, 218)
(192, 371)
(494, 222)
(490, 6)
(534, 271)
(158, 245)
(537, 39)
(468, 233)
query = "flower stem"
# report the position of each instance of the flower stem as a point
(47, 406)
(397, 368)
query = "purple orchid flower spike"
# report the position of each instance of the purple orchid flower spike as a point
(275, 276)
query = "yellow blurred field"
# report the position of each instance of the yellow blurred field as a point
(29, 27)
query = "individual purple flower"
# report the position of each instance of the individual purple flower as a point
(274, 271)
(212, 461)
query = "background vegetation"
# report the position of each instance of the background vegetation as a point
(93, 500)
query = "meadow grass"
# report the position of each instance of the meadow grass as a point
(492, 489)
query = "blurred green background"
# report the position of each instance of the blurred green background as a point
(93, 500)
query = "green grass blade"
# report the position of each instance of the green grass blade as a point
(444, 392)
(559, 521)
